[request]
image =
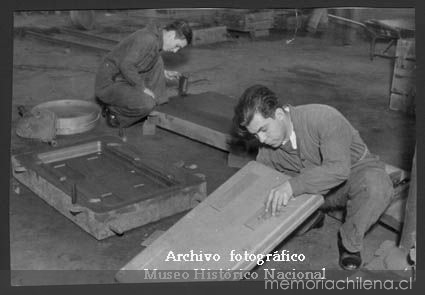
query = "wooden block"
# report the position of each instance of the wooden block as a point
(149, 126)
(260, 25)
(245, 22)
(231, 218)
(403, 81)
(258, 16)
(408, 66)
(259, 33)
(403, 84)
(400, 102)
(209, 35)
(406, 49)
(104, 187)
(316, 17)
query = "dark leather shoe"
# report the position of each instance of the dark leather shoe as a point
(111, 119)
(317, 220)
(348, 260)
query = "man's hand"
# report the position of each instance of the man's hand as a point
(279, 196)
(149, 92)
(171, 75)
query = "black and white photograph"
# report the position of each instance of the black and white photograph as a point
(275, 145)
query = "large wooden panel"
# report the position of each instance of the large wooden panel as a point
(231, 218)
(210, 109)
(103, 186)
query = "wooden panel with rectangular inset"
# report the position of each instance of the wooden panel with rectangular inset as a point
(240, 224)
(106, 180)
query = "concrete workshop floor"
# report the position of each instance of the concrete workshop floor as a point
(308, 70)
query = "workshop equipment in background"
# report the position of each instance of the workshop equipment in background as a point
(232, 218)
(318, 16)
(73, 116)
(390, 31)
(386, 30)
(104, 186)
(256, 23)
(403, 86)
(37, 124)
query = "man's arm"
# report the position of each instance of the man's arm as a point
(335, 137)
(137, 54)
(171, 75)
(334, 143)
(279, 196)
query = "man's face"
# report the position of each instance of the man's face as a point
(271, 131)
(172, 43)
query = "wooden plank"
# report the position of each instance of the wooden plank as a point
(205, 117)
(66, 43)
(245, 22)
(403, 85)
(209, 35)
(194, 131)
(406, 49)
(403, 88)
(207, 229)
(400, 102)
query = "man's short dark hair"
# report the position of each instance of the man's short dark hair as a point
(257, 98)
(182, 30)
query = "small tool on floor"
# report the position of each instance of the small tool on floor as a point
(183, 85)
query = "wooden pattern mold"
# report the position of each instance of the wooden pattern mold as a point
(111, 193)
